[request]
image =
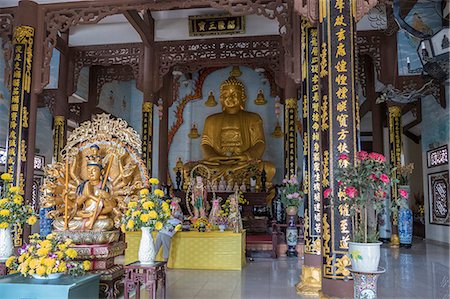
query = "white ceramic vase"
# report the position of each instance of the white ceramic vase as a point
(365, 256)
(222, 227)
(146, 253)
(50, 276)
(6, 244)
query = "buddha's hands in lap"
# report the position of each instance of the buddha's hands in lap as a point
(222, 160)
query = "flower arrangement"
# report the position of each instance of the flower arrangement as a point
(362, 186)
(46, 257)
(202, 224)
(225, 211)
(222, 220)
(404, 172)
(291, 193)
(12, 209)
(150, 211)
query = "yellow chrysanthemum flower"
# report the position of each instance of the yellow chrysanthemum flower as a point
(3, 201)
(132, 205)
(136, 213)
(86, 265)
(152, 214)
(43, 251)
(49, 262)
(46, 243)
(153, 181)
(18, 200)
(4, 225)
(165, 206)
(50, 236)
(48, 271)
(14, 189)
(144, 192)
(62, 247)
(145, 217)
(158, 192)
(34, 263)
(158, 225)
(72, 253)
(178, 227)
(40, 270)
(9, 261)
(6, 176)
(148, 205)
(32, 220)
(130, 224)
(62, 267)
(60, 254)
(123, 227)
(5, 212)
(31, 272)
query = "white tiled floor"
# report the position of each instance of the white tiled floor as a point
(419, 272)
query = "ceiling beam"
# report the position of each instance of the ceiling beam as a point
(145, 27)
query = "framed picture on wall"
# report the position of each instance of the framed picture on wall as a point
(439, 198)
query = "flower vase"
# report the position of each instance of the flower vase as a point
(6, 244)
(365, 256)
(222, 227)
(405, 226)
(146, 253)
(291, 230)
(50, 276)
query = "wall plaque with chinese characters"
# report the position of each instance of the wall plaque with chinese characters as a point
(437, 156)
(216, 24)
(439, 198)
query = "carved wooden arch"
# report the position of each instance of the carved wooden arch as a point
(60, 17)
(6, 31)
(189, 56)
(111, 73)
(126, 56)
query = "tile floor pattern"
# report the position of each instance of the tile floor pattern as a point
(419, 272)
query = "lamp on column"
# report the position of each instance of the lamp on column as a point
(277, 132)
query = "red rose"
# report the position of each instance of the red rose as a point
(373, 176)
(377, 157)
(362, 155)
(343, 157)
(403, 193)
(351, 192)
(327, 192)
(384, 178)
(340, 183)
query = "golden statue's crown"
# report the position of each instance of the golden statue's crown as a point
(94, 159)
(232, 81)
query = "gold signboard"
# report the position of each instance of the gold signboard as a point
(216, 24)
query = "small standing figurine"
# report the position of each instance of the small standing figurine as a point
(215, 211)
(222, 184)
(229, 186)
(243, 188)
(199, 197)
(234, 218)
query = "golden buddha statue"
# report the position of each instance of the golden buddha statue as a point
(102, 172)
(260, 99)
(233, 140)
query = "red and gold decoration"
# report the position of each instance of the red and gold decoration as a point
(147, 134)
(59, 136)
(290, 141)
(395, 148)
(339, 119)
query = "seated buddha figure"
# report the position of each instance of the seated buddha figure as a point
(234, 138)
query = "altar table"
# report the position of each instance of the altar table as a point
(197, 250)
(15, 286)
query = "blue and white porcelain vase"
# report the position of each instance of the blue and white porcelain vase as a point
(405, 225)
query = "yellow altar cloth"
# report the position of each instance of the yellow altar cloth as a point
(197, 250)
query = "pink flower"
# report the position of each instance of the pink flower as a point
(340, 183)
(285, 181)
(343, 157)
(373, 176)
(289, 196)
(327, 192)
(403, 193)
(295, 195)
(362, 155)
(384, 178)
(377, 157)
(351, 192)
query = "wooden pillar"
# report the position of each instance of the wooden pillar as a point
(311, 278)
(61, 106)
(23, 106)
(395, 148)
(290, 128)
(163, 154)
(87, 109)
(337, 73)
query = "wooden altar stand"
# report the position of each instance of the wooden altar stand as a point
(151, 276)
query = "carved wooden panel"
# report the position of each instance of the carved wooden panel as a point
(6, 27)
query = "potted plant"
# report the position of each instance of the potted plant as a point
(47, 259)
(291, 195)
(222, 222)
(12, 211)
(148, 214)
(362, 187)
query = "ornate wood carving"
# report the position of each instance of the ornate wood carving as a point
(192, 55)
(368, 44)
(60, 17)
(109, 55)
(6, 27)
(47, 99)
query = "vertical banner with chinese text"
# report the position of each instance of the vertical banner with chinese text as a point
(290, 137)
(395, 149)
(339, 119)
(23, 38)
(147, 134)
(59, 136)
